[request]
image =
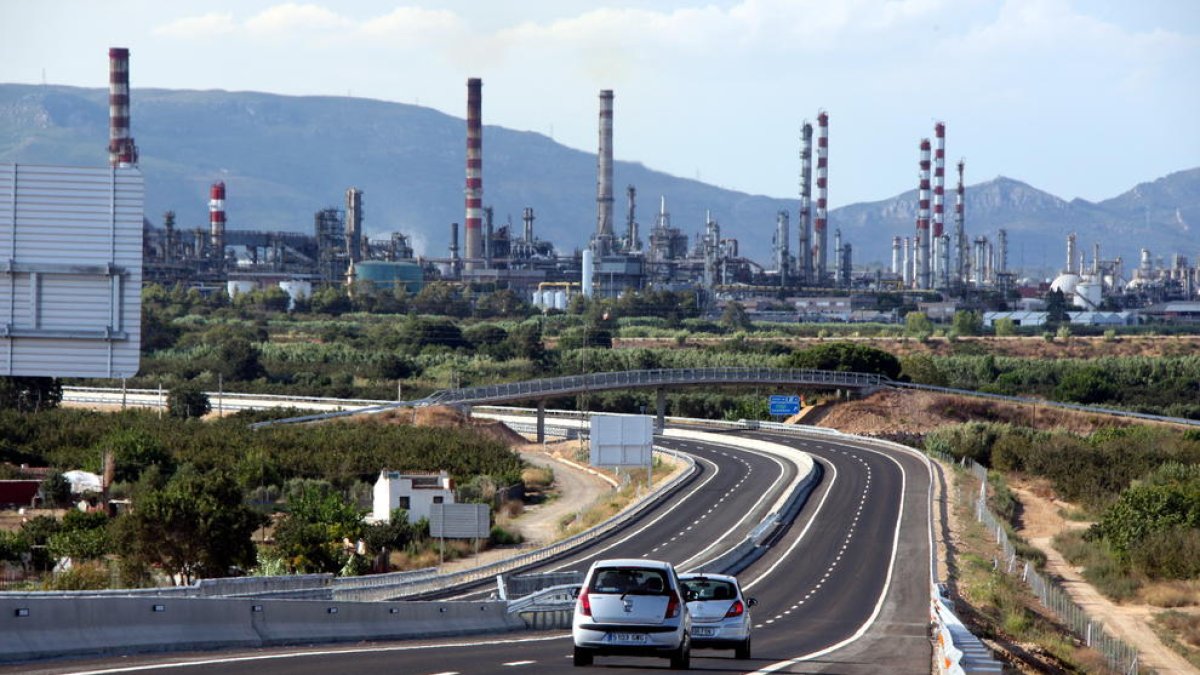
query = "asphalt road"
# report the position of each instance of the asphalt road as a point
(844, 590)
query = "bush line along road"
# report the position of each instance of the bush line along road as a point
(844, 589)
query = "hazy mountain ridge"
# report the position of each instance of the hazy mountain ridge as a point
(283, 158)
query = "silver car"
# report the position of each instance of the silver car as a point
(632, 607)
(720, 613)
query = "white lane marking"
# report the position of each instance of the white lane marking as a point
(698, 560)
(594, 555)
(887, 584)
(306, 654)
(803, 533)
(511, 664)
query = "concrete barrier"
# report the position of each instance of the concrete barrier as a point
(34, 628)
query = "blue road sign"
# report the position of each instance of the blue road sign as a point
(784, 405)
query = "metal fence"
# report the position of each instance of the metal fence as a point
(1118, 655)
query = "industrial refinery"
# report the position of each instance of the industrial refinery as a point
(928, 263)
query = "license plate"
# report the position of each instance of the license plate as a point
(628, 637)
(704, 632)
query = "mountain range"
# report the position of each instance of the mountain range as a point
(285, 157)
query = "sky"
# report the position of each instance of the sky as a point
(1079, 98)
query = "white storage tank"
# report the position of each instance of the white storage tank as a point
(1088, 293)
(235, 287)
(560, 300)
(296, 290)
(587, 272)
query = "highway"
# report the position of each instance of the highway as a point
(844, 590)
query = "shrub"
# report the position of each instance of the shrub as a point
(1173, 553)
(502, 537)
(187, 401)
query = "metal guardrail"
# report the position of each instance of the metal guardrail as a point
(441, 582)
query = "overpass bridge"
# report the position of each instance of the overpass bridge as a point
(541, 390)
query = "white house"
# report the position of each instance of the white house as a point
(411, 492)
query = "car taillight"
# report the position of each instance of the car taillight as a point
(585, 604)
(672, 607)
(735, 609)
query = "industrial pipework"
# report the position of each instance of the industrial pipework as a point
(963, 244)
(121, 148)
(474, 190)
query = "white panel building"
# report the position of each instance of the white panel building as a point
(71, 252)
(414, 493)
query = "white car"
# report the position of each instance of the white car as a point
(720, 613)
(632, 607)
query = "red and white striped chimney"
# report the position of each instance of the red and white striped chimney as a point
(216, 219)
(805, 224)
(963, 269)
(923, 243)
(939, 179)
(474, 191)
(819, 222)
(121, 150)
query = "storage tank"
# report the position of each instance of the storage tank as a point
(586, 273)
(236, 287)
(296, 290)
(560, 299)
(387, 274)
(1088, 293)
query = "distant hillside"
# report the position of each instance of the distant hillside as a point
(283, 158)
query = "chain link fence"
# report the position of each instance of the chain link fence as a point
(1118, 655)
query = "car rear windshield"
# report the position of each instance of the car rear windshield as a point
(624, 580)
(709, 589)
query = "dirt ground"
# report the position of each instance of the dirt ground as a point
(1041, 519)
(894, 411)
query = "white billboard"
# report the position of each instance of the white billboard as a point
(71, 251)
(460, 521)
(621, 440)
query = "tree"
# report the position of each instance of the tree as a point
(30, 394)
(187, 401)
(846, 357)
(967, 323)
(502, 303)
(55, 489)
(237, 360)
(734, 317)
(525, 340)
(1004, 327)
(918, 324)
(488, 339)
(194, 527)
(442, 299)
(134, 450)
(1056, 309)
(1086, 385)
(310, 538)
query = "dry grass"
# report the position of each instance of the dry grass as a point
(538, 478)
(1181, 632)
(1169, 594)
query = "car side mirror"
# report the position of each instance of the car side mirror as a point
(752, 602)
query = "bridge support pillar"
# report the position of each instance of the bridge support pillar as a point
(541, 421)
(660, 409)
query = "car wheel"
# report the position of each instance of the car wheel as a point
(742, 651)
(682, 659)
(583, 657)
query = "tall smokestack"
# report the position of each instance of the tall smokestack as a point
(354, 216)
(963, 244)
(1002, 251)
(896, 255)
(604, 175)
(633, 241)
(527, 217)
(121, 149)
(782, 254)
(942, 277)
(454, 259)
(216, 220)
(474, 191)
(1071, 254)
(805, 224)
(908, 267)
(822, 193)
(923, 243)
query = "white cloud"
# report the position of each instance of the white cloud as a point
(204, 26)
(291, 18)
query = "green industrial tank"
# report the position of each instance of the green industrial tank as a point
(387, 274)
